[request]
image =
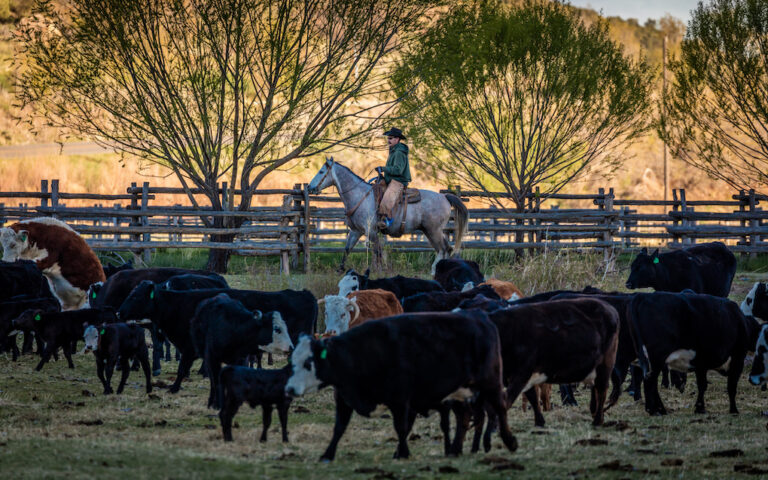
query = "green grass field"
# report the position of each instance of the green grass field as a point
(56, 423)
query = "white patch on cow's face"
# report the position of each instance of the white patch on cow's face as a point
(680, 360)
(761, 350)
(337, 314)
(536, 379)
(69, 296)
(463, 394)
(468, 286)
(281, 341)
(304, 378)
(513, 297)
(91, 337)
(349, 283)
(749, 301)
(14, 244)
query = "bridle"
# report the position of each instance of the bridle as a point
(348, 212)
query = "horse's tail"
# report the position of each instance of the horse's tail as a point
(461, 221)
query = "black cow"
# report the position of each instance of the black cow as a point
(545, 296)
(410, 363)
(61, 329)
(690, 332)
(117, 288)
(445, 301)
(110, 270)
(399, 285)
(193, 281)
(22, 277)
(454, 273)
(117, 341)
(257, 387)
(483, 303)
(224, 331)
(706, 268)
(173, 310)
(14, 307)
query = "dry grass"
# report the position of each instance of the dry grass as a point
(59, 419)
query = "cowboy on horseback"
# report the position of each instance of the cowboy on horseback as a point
(397, 175)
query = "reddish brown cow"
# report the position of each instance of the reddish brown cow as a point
(506, 290)
(61, 254)
(343, 313)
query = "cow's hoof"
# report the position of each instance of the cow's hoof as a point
(700, 410)
(325, 460)
(734, 411)
(155, 373)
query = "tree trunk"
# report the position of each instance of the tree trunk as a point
(218, 259)
(519, 235)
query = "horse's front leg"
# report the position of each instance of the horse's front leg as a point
(352, 238)
(378, 252)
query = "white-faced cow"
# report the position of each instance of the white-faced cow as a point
(759, 371)
(66, 260)
(343, 313)
(707, 268)
(756, 302)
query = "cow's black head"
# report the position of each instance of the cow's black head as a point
(644, 269)
(141, 302)
(28, 320)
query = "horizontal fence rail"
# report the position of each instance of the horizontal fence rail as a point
(302, 223)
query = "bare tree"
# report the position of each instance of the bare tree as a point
(216, 90)
(517, 97)
(716, 114)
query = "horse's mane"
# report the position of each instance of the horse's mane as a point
(349, 170)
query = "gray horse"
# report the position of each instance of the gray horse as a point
(429, 216)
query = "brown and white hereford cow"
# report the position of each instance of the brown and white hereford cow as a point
(61, 254)
(343, 313)
(506, 290)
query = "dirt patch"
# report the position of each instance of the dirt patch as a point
(591, 442)
(734, 452)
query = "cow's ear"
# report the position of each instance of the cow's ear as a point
(655, 253)
(367, 272)
(644, 251)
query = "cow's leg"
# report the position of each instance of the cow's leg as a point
(463, 413)
(636, 383)
(123, 374)
(445, 427)
(352, 238)
(258, 356)
(400, 419)
(533, 399)
(678, 380)
(600, 391)
(157, 351)
(618, 376)
(665, 376)
(47, 352)
(567, 396)
(492, 426)
(653, 403)
(282, 414)
(270, 360)
(701, 386)
(343, 415)
(734, 372)
(497, 404)
(67, 349)
(229, 408)
(214, 370)
(100, 374)
(26, 346)
(110, 368)
(266, 420)
(478, 414)
(184, 365)
(143, 357)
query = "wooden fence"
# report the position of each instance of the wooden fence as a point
(139, 220)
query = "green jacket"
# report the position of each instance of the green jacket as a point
(397, 167)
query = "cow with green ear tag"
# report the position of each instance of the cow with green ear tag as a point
(61, 329)
(115, 342)
(706, 268)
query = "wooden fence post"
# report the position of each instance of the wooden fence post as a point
(608, 254)
(116, 223)
(754, 238)
(285, 222)
(675, 222)
(44, 191)
(743, 201)
(305, 237)
(55, 196)
(686, 239)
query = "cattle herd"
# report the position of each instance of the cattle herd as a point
(461, 345)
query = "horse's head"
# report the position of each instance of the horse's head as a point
(323, 179)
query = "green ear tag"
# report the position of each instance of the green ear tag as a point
(93, 296)
(152, 294)
(37, 317)
(656, 260)
(324, 354)
(102, 331)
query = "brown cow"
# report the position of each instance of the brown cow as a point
(543, 396)
(343, 313)
(61, 254)
(506, 290)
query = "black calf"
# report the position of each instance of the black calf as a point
(257, 387)
(117, 341)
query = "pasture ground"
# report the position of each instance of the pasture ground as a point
(56, 423)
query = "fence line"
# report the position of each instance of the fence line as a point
(139, 221)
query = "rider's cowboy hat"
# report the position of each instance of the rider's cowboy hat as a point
(395, 132)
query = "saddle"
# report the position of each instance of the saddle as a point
(400, 210)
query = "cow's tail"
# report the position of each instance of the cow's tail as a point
(461, 220)
(634, 331)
